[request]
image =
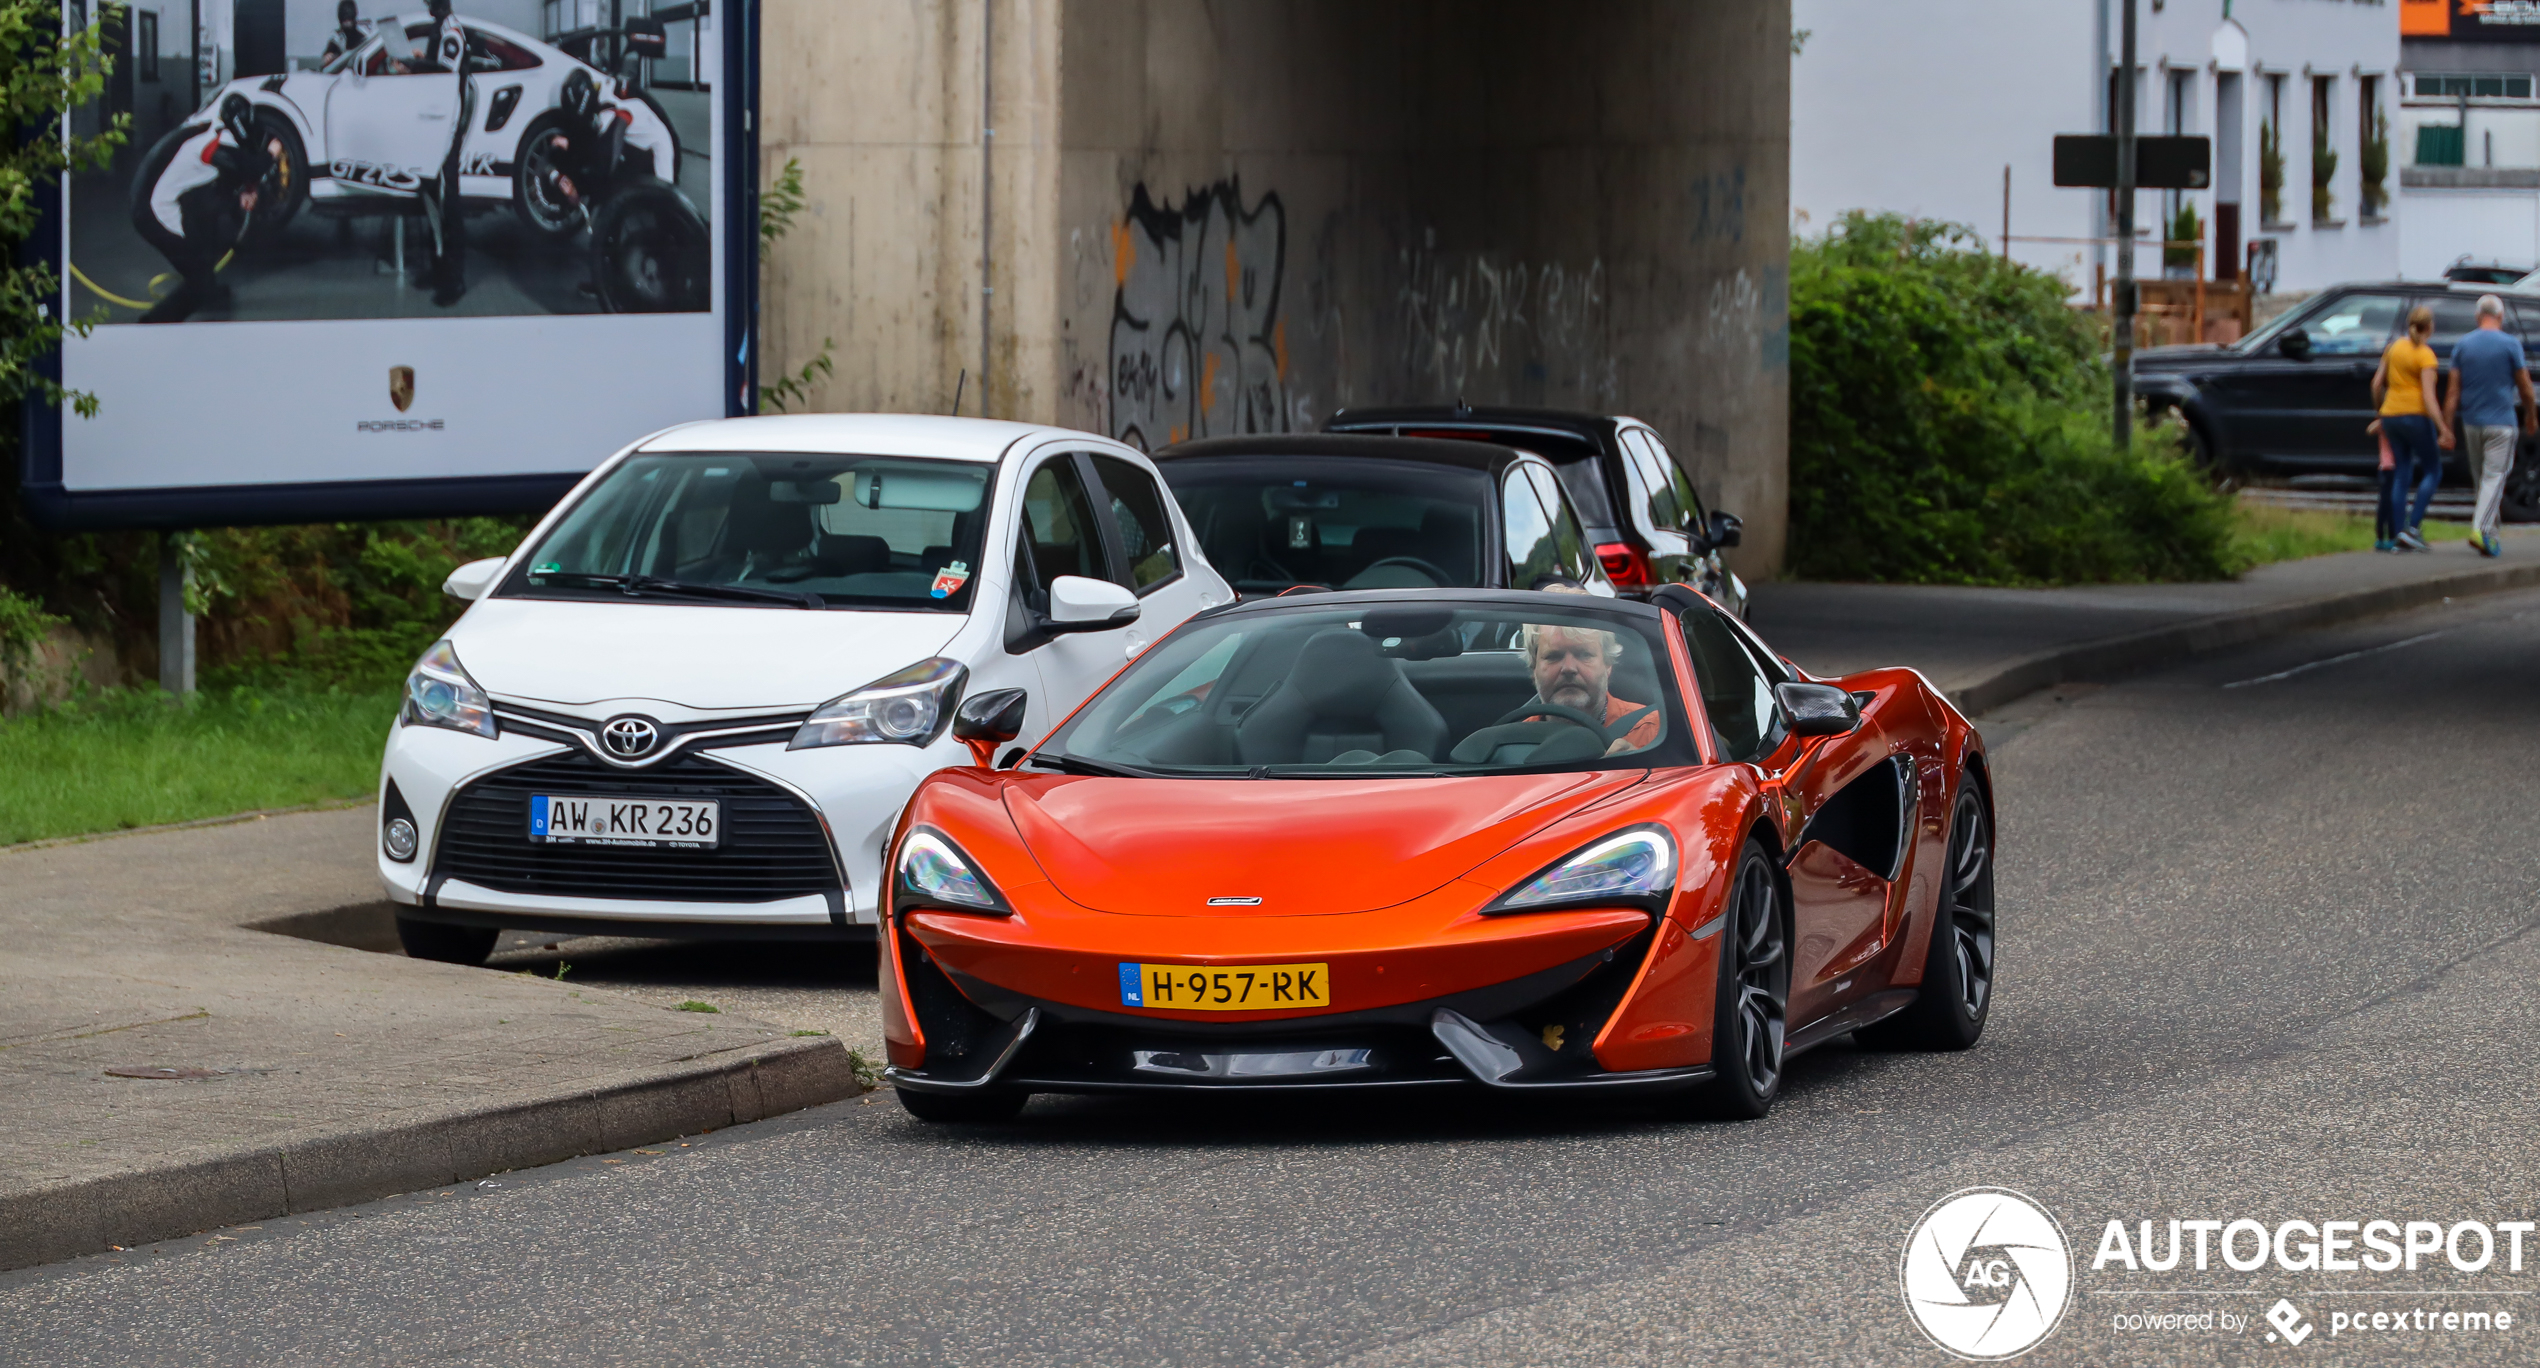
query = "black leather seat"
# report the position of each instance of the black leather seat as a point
(761, 535)
(1341, 695)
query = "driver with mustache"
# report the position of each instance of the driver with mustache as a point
(1573, 667)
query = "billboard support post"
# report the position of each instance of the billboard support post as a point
(176, 626)
(2121, 314)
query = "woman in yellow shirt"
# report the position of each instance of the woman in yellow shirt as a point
(2412, 418)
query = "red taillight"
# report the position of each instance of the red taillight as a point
(1623, 564)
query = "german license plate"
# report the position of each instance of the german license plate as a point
(646, 823)
(1232, 988)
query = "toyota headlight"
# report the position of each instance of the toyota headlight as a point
(1636, 866)
(909, 707)
(440, 694)
(932, 871)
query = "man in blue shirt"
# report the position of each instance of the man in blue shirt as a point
(2489, 376)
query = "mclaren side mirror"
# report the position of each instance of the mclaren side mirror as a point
(985, 721)
(1725, 530)
(473, 580)
(1818, 709)
(1078, 604)
(2295, 344)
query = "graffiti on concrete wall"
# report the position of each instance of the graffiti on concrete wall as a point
(1198, 347)
(1479, 323)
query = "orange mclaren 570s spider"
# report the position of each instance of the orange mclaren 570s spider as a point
(1538, 843)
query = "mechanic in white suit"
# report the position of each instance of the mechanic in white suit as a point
(194, 206)
(441, 194)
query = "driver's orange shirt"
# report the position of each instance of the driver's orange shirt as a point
(1643, 733)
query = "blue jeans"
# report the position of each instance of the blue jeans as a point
(2414, 461)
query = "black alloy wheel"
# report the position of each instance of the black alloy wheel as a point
(447, 944)
(536, 196)
(2522, 487)
(654, 252)
(985, 1106)
(1957, 994)
(285, 187)
(1751, 1019)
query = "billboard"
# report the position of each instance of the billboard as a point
(398, 263)
(2492, 21)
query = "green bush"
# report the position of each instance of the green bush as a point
(1948, 426)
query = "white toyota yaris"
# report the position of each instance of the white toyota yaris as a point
(695, 699)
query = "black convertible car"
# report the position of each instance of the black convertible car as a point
(2293, 397)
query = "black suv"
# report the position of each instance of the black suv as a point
(1648, 526)
(2293, 397)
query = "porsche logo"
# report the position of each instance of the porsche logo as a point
(401, 387)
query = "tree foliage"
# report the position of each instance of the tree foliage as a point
(44, 75)
(1949, 426)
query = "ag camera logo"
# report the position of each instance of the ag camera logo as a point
(1987, 1273)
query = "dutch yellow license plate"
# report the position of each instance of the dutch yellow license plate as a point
(1232, 988)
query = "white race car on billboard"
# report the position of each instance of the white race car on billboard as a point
(364, 127)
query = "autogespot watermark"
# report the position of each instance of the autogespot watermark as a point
(1988, 1274)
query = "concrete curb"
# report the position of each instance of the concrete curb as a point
(328, 1166)
(2178, 641)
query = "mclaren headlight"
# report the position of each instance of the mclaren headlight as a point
(1635, 867)
(440, 694)
(908, 708)
(931, 871)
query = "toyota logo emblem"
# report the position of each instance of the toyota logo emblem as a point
(629, 737)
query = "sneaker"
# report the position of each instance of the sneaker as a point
(2385, 544)
(2489, 547)
(2410, 541)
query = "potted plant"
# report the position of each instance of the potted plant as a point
(2270, 173)
(2375, 164)
(2186, 228)
(2323, 171)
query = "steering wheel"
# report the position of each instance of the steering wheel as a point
(1436, 576)
(1619, 727)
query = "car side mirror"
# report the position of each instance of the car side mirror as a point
(2295, 344)
(1725, 530)
(1818, 709)
(473, 580)
(1078, 604)
(988, 720)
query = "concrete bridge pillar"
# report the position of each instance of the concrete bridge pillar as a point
(1210, 218)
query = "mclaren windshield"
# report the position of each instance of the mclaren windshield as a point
(1388, 685)
(779, 531)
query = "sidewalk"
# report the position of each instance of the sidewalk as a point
(330, 1074)
(1985, 647)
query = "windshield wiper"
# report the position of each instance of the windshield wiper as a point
(1342, 772)
(1073, 764)
(633, 585)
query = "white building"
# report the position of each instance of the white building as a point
(1919, 108)
(2467, 134)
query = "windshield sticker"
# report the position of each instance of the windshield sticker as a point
(948, 581)
(549, 568)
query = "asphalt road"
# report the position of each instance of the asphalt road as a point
(2266, 955)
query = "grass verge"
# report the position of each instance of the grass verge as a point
(109, 762)
(2262, 534)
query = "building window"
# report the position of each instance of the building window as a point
(2431, 86)
(145, 44)
(2372, 147)
(2271, 154)
(2323, 149)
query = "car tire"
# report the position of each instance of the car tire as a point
(546, 218)
(1751, 1008)
(2522, 487)
(1957, 995)
(265, 226)
(655, 253)
(971, 1108)
(444, 943)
